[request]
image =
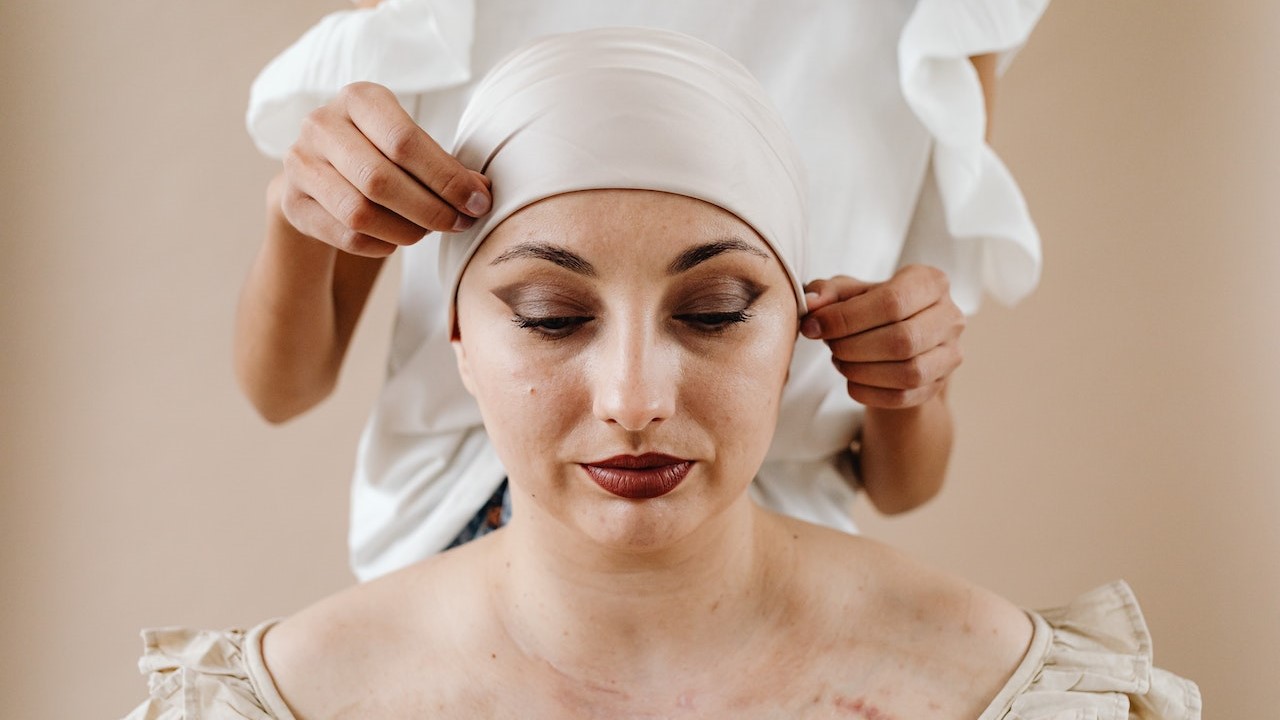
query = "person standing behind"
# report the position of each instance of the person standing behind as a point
(889, 105)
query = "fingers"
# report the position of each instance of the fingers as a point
(378, 116)
(388, 186)
(893, 399)
(912, 374)
(315, 186)
(935, 325)
(365, 178)
(860, 306)
(305, 214)
(821, 293)
(894, 342)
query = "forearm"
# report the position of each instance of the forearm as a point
(905, 453)
(297, 313)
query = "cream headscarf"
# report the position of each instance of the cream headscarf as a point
(629, 108)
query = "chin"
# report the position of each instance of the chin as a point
(651, 526)
(634, 526)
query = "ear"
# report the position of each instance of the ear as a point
(464, 367)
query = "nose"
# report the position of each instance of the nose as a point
(636, 377)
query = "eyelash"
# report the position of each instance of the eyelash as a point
(550, 327)
(558, 327)
(717, 322)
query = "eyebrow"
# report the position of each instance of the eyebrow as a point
(695, 256)
(552, 253)
(574, 262)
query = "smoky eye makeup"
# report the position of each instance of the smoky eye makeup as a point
(720, 295)
(715, 306)
(543, 298)
(546, 309)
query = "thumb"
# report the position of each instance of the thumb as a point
(823, 292)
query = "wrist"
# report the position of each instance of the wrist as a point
(879, 423)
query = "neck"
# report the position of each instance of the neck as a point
(609, 614)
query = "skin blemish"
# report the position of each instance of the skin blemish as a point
(860, 708)
(852, 707)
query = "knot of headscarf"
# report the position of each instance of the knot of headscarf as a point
(629, 108)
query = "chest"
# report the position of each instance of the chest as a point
(770, 686)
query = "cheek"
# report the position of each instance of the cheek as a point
(739, 387)
(523, 392)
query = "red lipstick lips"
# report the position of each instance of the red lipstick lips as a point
(639, 477)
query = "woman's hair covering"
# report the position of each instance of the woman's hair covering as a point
(629, 108)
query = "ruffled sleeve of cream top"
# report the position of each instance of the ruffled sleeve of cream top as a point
(1092, 658)
(409, 46)
(207, 675)
(988, 241)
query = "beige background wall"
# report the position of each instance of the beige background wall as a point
(1124, 422)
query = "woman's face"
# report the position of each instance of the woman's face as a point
(627, 350)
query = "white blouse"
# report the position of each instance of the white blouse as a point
(889, 117)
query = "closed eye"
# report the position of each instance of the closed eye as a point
(551, 327)
(714, 321)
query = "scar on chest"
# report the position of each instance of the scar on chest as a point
(860, 708)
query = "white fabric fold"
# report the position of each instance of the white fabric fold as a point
(410, 46)
(983, 210)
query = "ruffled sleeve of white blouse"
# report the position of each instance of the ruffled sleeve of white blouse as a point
(1093, 659)
(409, 46)
(976, 225)
(207, 675)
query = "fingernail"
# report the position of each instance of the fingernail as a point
(477, 204)
(811, 298)
(462, 223)
(809, 328)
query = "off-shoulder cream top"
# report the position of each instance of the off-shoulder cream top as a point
(1088, 660)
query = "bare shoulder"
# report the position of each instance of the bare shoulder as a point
(899, 587)
(338, 652)
(958, 610)
(960, 638)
